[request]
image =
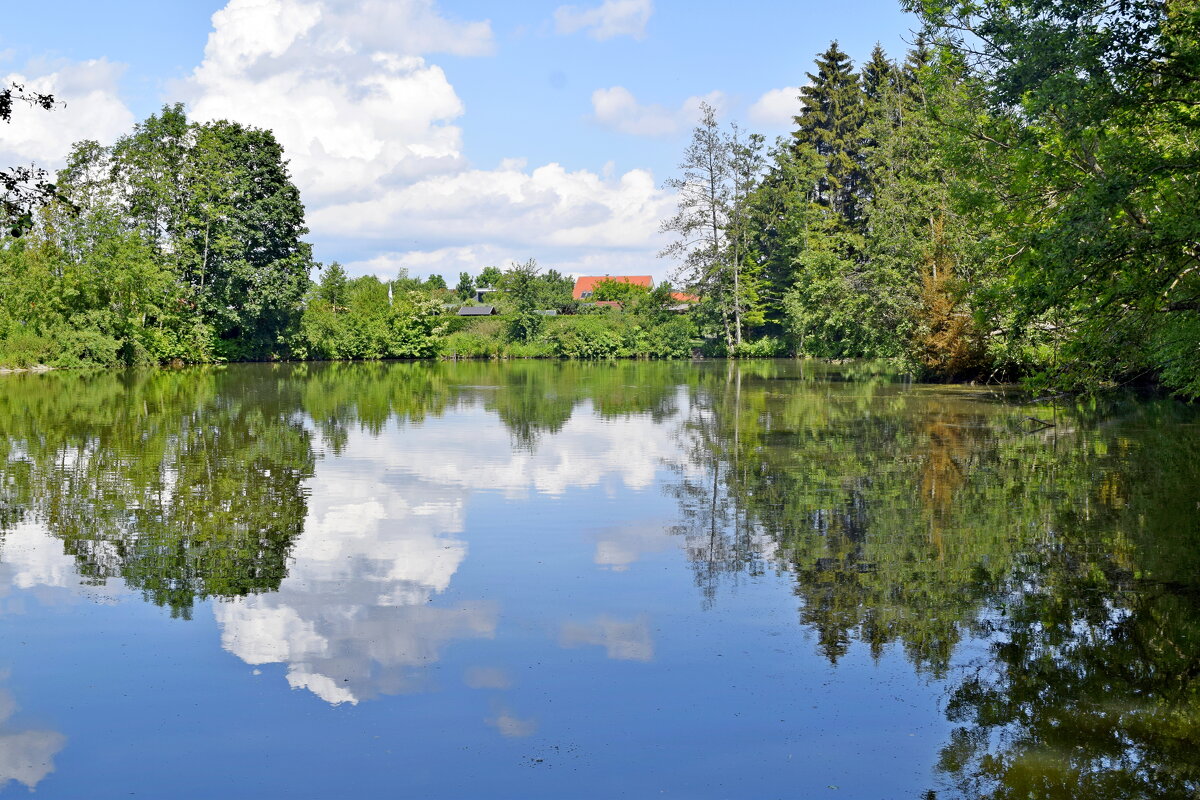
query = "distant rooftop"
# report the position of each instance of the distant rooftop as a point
(476, 311)
(585, 285)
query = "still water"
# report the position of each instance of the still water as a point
(558, 580)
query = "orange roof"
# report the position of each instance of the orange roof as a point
(587, 283)
(684, 297)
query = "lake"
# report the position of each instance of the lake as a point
(768, 579)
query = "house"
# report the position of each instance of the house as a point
(684, 297)
(586, 284)
(477, 311)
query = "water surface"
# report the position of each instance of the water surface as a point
(757, 580)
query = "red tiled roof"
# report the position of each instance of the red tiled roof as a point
(587, 283)
(684, 297)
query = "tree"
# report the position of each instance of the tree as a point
(746, 165)
(435, 282)
(829, 122)
(466, 286)
(1090, 136)
(334, 287)
(619, 291)
(521, 284)
(23, 189)
(702, 219)
(489, 277)
(244, 227)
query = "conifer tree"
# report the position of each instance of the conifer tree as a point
(829, 122)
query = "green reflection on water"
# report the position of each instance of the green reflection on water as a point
(1050, 577)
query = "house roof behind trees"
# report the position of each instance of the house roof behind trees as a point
(586, 284)
(476, 311)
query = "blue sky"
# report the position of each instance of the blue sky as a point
(440, 136)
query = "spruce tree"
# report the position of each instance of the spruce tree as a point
(829, 122)
(881, 112)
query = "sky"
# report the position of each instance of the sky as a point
(437, 136)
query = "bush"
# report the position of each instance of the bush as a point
(538, 349)
(468, 344)
(587, 338)
(766, 347)
(672, 339)
(25, 349)
(87, 347)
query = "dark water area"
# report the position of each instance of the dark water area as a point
(560, 580)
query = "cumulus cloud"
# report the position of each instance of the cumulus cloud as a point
(25, 756)
(91, 109)
(621, 640)
(510, 725)
(547, 207)
(776, 107)
(355, 616)
(372, 129)
(350, 96)
(352, 618)
(610, 18)
(618, 109)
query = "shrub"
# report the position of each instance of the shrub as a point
(587, 338)
(468, 344)
(766, 347)
(25, 349)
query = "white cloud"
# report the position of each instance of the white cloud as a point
(92, 109)
(352, 618)
(617, 108)
(354, 105)
(624, 641)
(511, 209)
(611, 18)
(776, 107)
(26, 756)
(371, 128)
(511, 726)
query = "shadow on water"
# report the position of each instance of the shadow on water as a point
(1048, 577)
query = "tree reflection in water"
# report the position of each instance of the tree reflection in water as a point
(923, 517)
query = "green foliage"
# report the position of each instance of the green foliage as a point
(765, 347)
(490, 276)
(619, 291)
(829, 122)
(1088, 129)
(369, 325)
(522, 285)
(827, 314)
(590, 337)
(465, 287)
(179, 242)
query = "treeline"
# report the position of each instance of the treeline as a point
(183, 242)
(1014, 197)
